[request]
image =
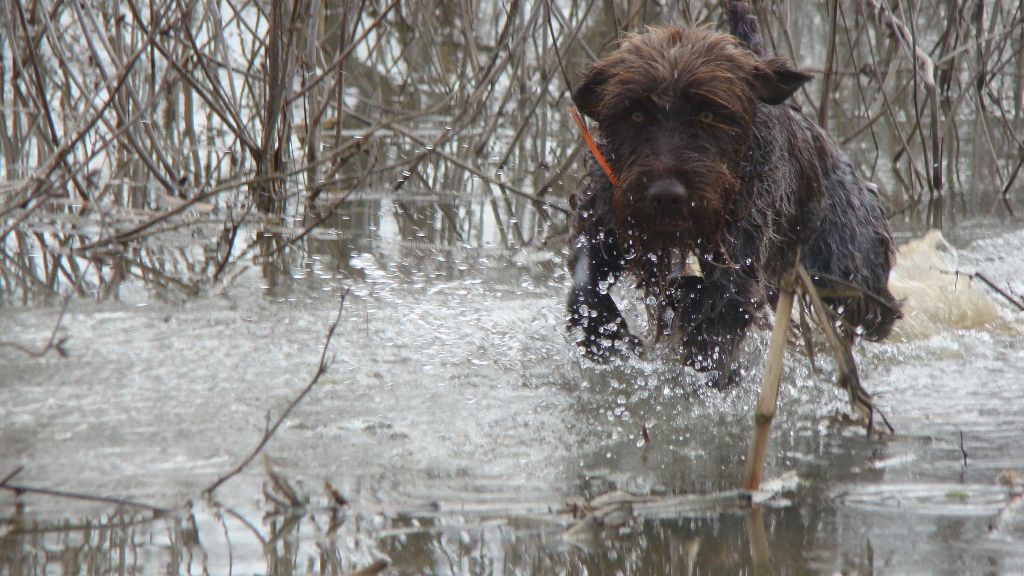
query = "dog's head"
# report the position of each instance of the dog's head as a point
(676, 108)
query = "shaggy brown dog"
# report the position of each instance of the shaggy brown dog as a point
(713, 166)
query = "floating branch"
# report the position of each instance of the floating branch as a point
(22, 489)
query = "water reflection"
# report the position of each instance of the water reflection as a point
(336, 540)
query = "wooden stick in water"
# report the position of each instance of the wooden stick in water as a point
(768, 398)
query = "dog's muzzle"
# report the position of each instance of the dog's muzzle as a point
(668, 195)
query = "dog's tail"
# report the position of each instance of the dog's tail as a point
(743, 25)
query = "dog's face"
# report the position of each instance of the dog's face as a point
(676, 109)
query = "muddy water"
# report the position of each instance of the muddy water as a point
(459, 432)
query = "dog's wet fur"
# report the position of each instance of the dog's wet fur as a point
(714, 165)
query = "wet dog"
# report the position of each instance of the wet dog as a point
(713, 168)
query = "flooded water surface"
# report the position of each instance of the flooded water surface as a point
(457, 431)
(188, 203)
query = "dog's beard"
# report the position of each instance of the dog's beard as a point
(696, 229)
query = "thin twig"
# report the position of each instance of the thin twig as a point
(21, 489)
(985, 279)
(1003, 293)
(849, 380)
(322, 367)
(53, 343)
(12, 474)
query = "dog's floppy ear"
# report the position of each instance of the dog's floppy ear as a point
(776, 79)
(587, 95)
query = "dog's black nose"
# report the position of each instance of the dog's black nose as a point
(667, 194)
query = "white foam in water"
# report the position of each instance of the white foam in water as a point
(934, 298)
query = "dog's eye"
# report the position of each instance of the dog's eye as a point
(637, 117)
(706, 116)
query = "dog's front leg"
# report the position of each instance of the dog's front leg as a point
(714, 314)
(595, 265)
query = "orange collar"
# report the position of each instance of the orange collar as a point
(593, 147)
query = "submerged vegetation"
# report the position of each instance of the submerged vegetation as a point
(178, 143)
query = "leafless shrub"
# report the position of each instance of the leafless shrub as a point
(169, 141)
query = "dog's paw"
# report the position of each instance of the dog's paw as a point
(725, 378)
(610, 342)
(703, 356)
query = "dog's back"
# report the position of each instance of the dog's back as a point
(850, 248)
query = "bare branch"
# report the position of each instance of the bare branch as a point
(322, 367)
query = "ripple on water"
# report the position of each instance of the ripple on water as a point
(933, 499)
